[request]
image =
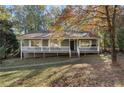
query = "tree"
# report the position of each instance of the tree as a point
(111, 29)
(8, 41)
(36, 18)
(120, 40)
(4, 15)
(92, 18)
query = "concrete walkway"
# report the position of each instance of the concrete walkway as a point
(40, 65)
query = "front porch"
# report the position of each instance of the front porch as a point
(66, 46)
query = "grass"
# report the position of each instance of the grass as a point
(90, 70)
(28, 61)
(32, 77)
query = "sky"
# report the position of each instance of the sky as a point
(47, 6)
(60, 6)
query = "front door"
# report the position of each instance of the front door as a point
(72, 46)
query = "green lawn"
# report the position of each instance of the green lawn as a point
(90, 70)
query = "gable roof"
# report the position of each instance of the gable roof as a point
(66, 35)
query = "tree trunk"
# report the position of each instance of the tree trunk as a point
(111, 29)
(114, 53)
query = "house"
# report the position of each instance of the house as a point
(59, 43)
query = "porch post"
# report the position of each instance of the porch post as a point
(60, 44)
(78, 49)
(69, 49)
(98, 45)
(49, 44)
(59, 49)
(21, 49)
(41, 44)
(29, 43)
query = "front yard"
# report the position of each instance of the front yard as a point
(90, 70)
(28, 61)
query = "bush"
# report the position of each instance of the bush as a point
(8, 42)
(121, 39)
(2, 54)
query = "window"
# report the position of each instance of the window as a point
(94, 43)
(35, 42)
(85, 43)
(25, 43)
(54, 43)
(45, 42)
(65, 43)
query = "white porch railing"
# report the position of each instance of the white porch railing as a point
(93, 48)
(44, 49)
(56, 49)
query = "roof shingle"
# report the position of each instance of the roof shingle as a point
(66, 35)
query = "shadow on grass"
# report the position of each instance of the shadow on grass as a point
(30, 75)
(36, 72)
(7, 74)
(92, 60)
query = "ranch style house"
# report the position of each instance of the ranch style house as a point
(41, 44)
